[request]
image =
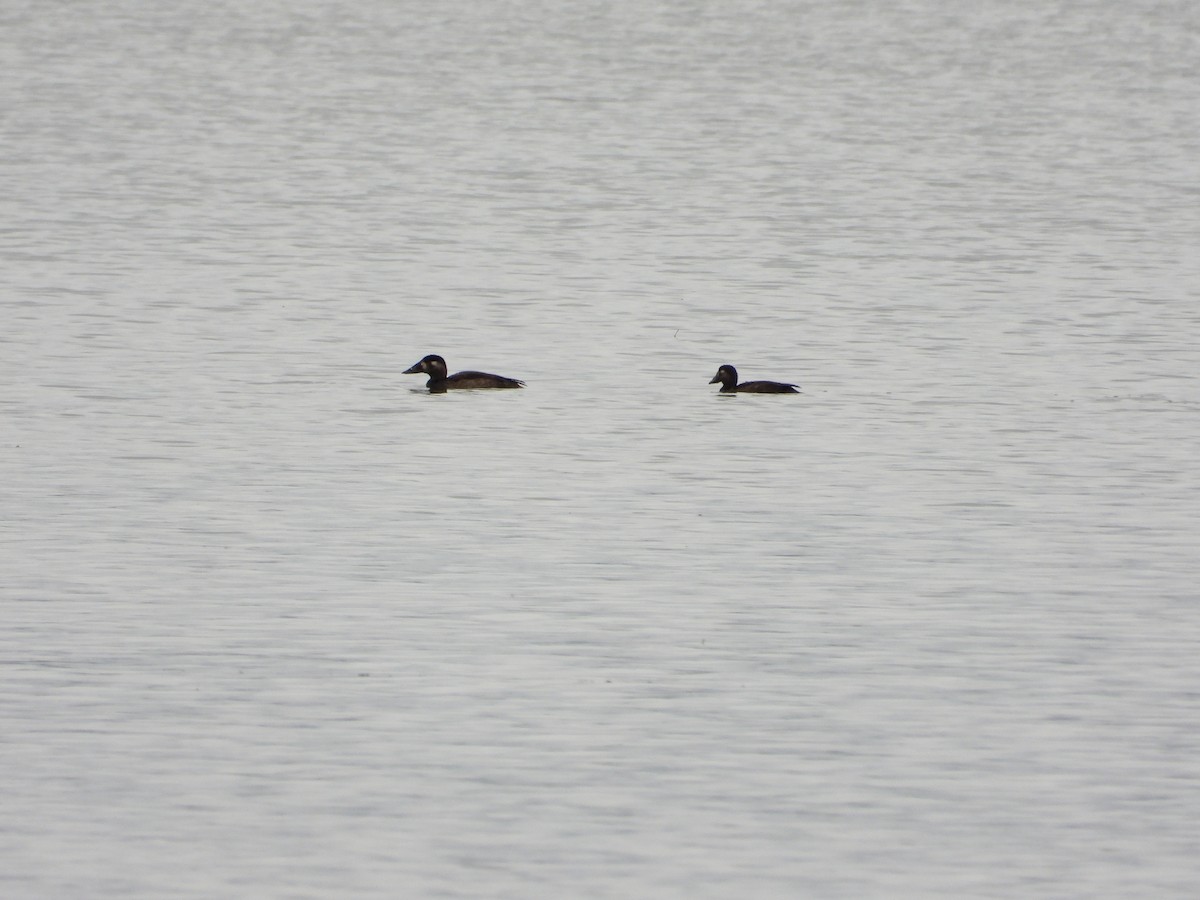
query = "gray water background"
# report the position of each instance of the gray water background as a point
(276, 623)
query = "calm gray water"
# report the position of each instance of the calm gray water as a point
(277, 623)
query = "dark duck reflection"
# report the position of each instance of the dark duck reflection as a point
(439, 382)
(728, 378)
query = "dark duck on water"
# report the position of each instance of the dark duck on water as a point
(439, 382)
(727, 376)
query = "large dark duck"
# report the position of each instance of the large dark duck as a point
(727, 376)
(439, 382)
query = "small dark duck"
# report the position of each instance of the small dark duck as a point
(727, 376)
(439, 382)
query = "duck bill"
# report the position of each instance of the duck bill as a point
(715, 379)
(413, 369)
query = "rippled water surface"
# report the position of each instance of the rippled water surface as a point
(278, 623)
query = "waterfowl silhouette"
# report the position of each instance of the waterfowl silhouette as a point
(727, 376)
(439, 382)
